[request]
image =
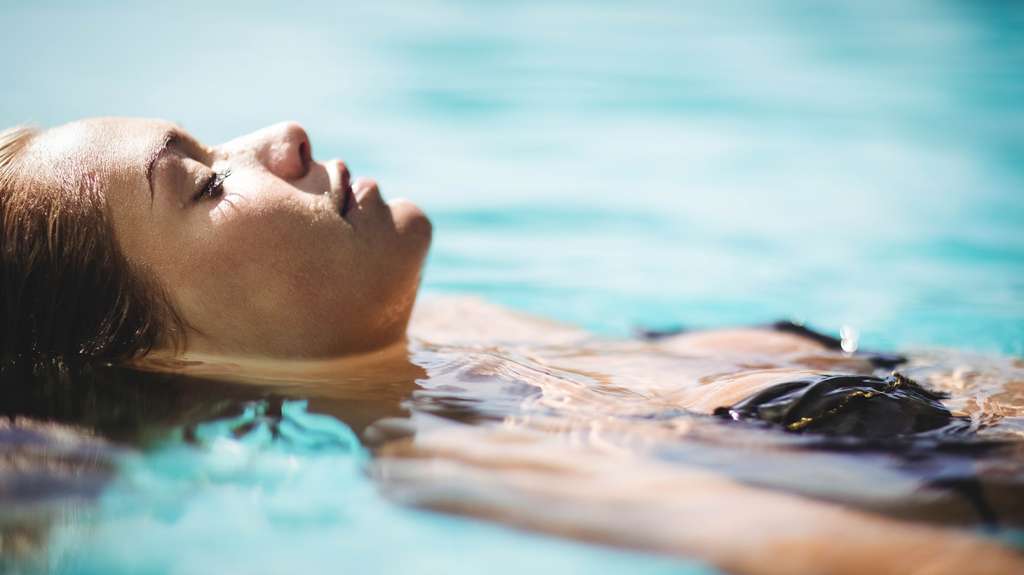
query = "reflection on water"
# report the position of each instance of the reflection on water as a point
(636, 397)
(600, 440)
(212, 476)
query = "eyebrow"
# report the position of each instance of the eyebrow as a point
(166, 141)
(170, 138)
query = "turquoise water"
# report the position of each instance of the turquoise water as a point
(296, 504)
(606, 164)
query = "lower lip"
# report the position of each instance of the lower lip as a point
(365, 188)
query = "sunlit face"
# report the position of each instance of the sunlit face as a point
(261, 249)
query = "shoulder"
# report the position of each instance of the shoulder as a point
(471, 320)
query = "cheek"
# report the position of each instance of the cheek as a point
(284, 275)
(264, 267)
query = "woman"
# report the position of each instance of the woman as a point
(128, 240)
(124, 236)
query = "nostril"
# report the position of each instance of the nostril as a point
(305, 155)
(295, 153)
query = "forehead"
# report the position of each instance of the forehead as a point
(108, 156)
(103, 144)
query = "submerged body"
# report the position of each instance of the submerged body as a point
(608, 441)
(493, 414)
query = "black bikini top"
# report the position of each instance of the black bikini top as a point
(852, 405)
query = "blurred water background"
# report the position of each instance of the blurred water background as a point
(609, 164)
(618, 163)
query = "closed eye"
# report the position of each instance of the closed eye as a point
(213, 187)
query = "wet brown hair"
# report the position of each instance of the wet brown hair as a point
(67, 294)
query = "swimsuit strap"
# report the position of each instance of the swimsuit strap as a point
(877, 359)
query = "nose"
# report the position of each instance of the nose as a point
(283, 149)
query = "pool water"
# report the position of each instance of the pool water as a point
(609, 165)
(300, 503)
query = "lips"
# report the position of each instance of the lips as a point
(346, 197)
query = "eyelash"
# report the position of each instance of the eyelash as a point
(213, 187)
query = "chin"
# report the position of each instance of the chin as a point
(411, 222)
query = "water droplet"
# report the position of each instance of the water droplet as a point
(848, 338)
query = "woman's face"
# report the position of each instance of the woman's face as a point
(261, 249)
